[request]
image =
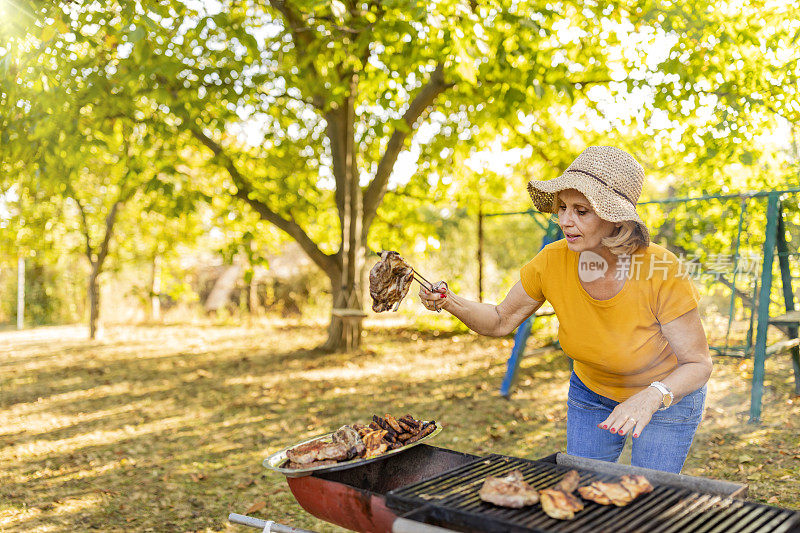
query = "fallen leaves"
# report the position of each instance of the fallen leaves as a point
(245, 484)
(257, 506)
(199, 456)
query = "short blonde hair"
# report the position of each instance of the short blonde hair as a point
(625, 241)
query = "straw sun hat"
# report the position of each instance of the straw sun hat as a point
(609, 178)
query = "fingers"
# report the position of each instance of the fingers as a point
(623, 424)
(639, 427)
(626, 426)
(432, 300)
(631, 416)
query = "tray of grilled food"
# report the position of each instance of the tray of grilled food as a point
(352, 445)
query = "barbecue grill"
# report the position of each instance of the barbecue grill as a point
(674, 505)
(429, 489)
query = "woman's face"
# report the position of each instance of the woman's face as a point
(582, 228)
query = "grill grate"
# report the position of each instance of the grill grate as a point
(454, 497)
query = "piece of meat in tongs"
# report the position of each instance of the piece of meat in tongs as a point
(389, 281)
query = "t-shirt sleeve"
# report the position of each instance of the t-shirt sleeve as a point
(675, 293)
(532, 277)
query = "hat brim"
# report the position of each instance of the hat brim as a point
(613, 207)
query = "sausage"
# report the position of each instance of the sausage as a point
(393, 423)
(427, 429)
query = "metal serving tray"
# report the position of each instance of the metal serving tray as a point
(276, 461)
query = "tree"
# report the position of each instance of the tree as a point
(72, 135)
(305, 106)
(333, 92)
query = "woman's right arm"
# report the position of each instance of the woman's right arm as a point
(486, 319)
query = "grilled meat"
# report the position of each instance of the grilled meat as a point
(359, 440)
(620, 494)
(559, 504)
(426, 430)
(389, 281)
(558, 501)
(405, 426)
(393, 423)
(615, 492)
(293, 465)
(410, 421)
(349, 437)
(510, 490)
(318, 450)
(594, 494)
(345, 444)
(569, 482)
(636, 485)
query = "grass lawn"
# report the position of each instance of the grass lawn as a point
(164, 428)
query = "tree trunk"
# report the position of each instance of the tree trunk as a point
(252, 297)
(155, 289)
(94, 301)
(96, 260)
(347, 284)
(344, 330)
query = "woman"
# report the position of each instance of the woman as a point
(627, 316)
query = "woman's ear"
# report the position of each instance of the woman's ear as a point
(618, 224)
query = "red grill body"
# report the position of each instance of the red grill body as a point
(343, 505)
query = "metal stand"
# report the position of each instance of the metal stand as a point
(775, 236)
(552, 234)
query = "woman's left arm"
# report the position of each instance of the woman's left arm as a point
(687, 338)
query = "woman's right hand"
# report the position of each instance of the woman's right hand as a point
(436, 299)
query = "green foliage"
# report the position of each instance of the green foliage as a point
(173, 104)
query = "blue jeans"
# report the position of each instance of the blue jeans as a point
(663, 444)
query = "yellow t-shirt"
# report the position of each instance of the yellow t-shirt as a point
(616, 344)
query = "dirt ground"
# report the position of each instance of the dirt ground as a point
(163, 428)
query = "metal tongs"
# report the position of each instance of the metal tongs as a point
(431, 287)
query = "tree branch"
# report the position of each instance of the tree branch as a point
(110, 219)
(296, 25)
(335, 131)
(244, 191)
(85, 224)
(377, 187)
(302, 35)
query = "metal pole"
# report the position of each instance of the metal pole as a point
(732, 309)
(480, 251)
(760, 355)
(21, 293)
(788, 294)
(267, 526)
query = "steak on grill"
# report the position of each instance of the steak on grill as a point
(558, 501)
(620, 494)
(508, 491)
(389, 281)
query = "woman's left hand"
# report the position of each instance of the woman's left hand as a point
(633, 414)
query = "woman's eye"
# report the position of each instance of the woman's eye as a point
(582, 212)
